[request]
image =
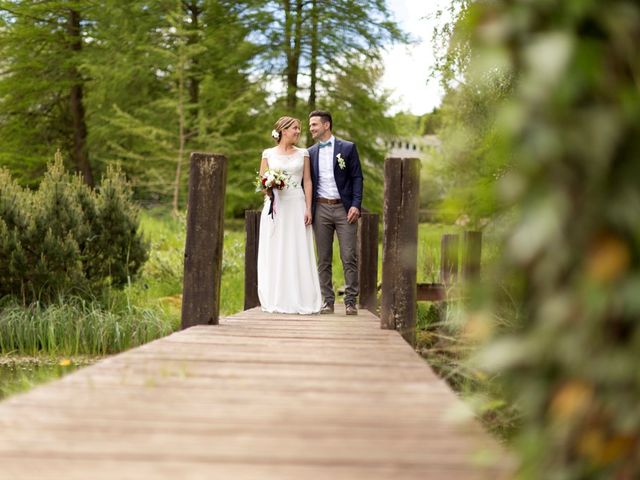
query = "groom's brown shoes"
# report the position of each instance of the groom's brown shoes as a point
(326, 308)
(351, 309)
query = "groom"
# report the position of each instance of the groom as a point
(337, 199)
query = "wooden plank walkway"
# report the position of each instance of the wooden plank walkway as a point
(257, 397)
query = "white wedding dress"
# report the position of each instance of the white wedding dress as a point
(287, 271)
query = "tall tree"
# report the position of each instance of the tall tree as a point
(42, 88)
(343, 33)
(310, 40)
(330, 52)
(292, 48)
(314, 53)
(77, 110)
(191, 66)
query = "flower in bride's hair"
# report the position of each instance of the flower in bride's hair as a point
(275, 134)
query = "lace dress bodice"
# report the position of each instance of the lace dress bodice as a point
(293, 164)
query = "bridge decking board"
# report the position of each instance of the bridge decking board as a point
(260, 396)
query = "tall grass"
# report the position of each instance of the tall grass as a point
(448, 339)
(150, 305)
(162, 275)
(74, 326)
(447, 336)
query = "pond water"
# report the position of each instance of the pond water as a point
(19, 374)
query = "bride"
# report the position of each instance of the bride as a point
(287, 271)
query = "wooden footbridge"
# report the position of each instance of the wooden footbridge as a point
(251, 396)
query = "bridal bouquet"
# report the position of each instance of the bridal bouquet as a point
(272, 178)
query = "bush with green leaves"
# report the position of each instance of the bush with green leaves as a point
(568, 133)
(67, 238)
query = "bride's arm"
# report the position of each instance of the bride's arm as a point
(308, 190)
(264, 166)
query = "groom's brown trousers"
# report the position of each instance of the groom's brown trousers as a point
(330, 218)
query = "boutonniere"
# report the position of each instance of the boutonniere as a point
(341, 163)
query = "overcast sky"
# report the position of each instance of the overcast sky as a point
(407, 68)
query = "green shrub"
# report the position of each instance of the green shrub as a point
(65, 237)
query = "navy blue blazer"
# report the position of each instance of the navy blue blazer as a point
(348, 179)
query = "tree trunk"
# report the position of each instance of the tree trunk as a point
(293, 48)
(313, 63)
(181, 71)
(80, 154)
(291, 96)
(193, 79)
(297, 43)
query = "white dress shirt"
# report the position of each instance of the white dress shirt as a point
(326, 181)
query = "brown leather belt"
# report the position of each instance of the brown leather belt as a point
(329, 201)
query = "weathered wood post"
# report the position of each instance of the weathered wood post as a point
(205, 231)
(368, 260)
(471, 254)
(252, 240)
(448, 258)
(400, 245)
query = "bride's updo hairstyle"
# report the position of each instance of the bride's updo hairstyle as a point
(282, 124)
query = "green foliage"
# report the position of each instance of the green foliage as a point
(66, 238)
(563, 138)
(34, 85)
(473, 156)
(116, 248)
(447, 339)
(153, 90)
(161, 276)
(181, 102)
(41, 86)
(409, 125)
(73, 326)
(162, 79)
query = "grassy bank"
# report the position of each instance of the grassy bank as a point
(149, 307)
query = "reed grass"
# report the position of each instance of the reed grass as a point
(75, 326)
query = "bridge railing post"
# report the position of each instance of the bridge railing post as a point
(471, 254)
(449, 258)
(368, 260)
(205, 234)
(252, 240)
(400, 245)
